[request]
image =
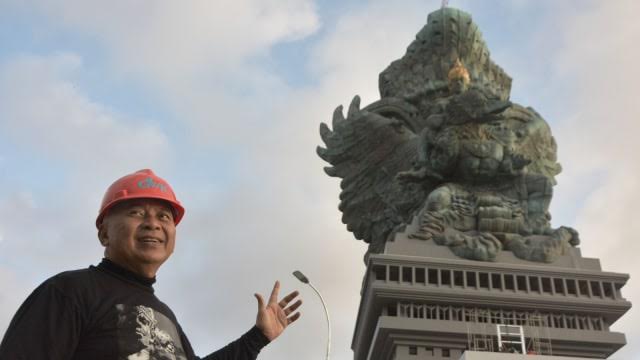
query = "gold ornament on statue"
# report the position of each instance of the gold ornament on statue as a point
(459, 78)
(458, 71)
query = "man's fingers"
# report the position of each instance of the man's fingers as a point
(293, 307)
(274, 293)
(293, 318)
(283, 303)
(260, 301)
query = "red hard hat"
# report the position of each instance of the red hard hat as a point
(139, 185)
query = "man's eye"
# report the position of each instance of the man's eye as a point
(136, 212)
(165, 216)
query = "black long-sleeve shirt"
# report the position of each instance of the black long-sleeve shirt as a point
(106, 312)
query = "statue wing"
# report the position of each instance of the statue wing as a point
(367, 150)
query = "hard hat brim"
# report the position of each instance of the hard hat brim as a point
(178, 210)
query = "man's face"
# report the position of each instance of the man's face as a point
(139, 235)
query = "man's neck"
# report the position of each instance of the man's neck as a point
(126, 274)
(143, 270)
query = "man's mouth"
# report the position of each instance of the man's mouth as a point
(150, 240)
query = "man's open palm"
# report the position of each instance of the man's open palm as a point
(275, 316)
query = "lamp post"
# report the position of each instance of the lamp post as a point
(300, 276)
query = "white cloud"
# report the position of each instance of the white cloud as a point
(47, 238)
(363, 43)
(604, 98)
(599, 68)
(169, 41)
(195, 56)
(42, 107)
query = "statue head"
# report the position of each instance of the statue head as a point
(458, 78)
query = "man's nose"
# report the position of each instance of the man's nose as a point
(151, 222)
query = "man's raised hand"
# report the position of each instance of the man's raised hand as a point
(276, 315)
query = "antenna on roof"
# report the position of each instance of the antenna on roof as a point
(445, 3)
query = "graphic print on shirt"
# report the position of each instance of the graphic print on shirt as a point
(145, 334)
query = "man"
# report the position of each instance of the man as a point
(109, 311)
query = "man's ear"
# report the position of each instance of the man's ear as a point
(103, 235)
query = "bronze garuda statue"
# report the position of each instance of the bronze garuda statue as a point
(444, 146)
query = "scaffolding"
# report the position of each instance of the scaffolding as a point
(539, 337)
(479, 338)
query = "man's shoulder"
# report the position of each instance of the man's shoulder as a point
(71, 280)
(73, 275)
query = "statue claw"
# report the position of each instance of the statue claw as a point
(322, 152)
(354, 107)
(324, 132)
(331, 171)
(338, 117)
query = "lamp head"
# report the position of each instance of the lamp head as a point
(300, 276)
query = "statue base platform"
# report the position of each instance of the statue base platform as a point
(419, 299)
(479, 355)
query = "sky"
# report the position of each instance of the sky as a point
(224, 100)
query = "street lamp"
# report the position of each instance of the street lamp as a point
(300, 276)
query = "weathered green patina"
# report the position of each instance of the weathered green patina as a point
(445, 144)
